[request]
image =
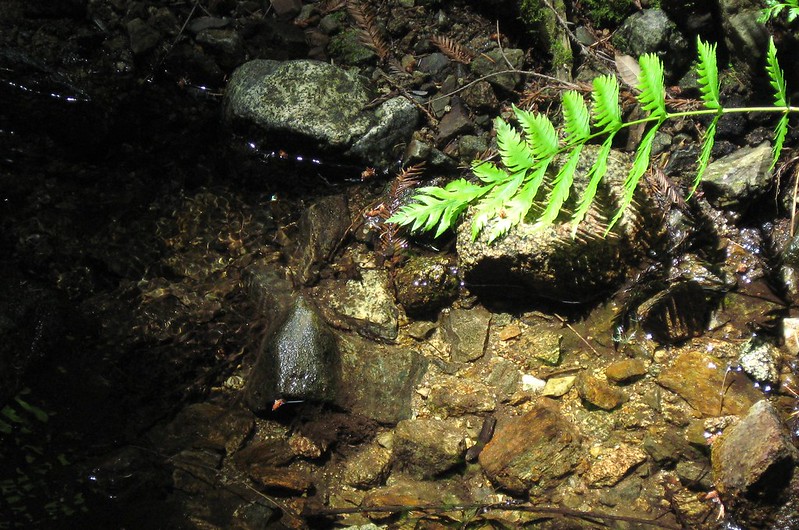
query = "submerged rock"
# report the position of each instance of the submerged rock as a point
(321, 228)
(707, 386)
(320, 103)
(534, 452)
(296, 362)
(466, 332)
(598, 393)
(428, 447)
(426, 284)
(536, 262)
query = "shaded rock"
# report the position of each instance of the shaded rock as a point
(494, 61)
(651, 31)
(286, 479)
(466, 332)
(598, 393)
(377, 380)
(738, 179)
(425, 284)
(611, 464)
(532, 453)
(745, 37)
(666, 446)
(760, 360)
(536, 262)
(368, 468)
(480, 97)
(195, 470)
(274, 452)
(458, 396)
(142, 36)
(321, 227)
(225, 45)
(428, 447)
(754, 458)
(365, 304)
(699, 378)
(203, 425)
(286, 8)
(297, 362)
(317, 101)
(625, 371)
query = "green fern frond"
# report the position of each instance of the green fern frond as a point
(652, 86)
(595, 174)
(774, 8)
(494, 202)
(575, 118)
(540, 134)
(704, 156)
(779, 139)
(438, 207)
(640, 165)
(606, 110)
(560, 188)
(775, 75)
(512, 149)
(708, 74)
(489, 172)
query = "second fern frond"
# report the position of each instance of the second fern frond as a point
(506, 191)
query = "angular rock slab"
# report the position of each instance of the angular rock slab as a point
(377, 380)
(754, 457)
(534, 452)
(320, 102)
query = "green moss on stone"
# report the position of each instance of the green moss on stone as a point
(605, 13)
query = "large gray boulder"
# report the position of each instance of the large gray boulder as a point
(320, 105)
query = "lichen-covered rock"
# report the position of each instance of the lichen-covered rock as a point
(738, 179)
(534, 452)
(651, 31)
(537, 262)
(320, 102)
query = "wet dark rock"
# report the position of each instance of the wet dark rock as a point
(321, 228)
(428, 447)
(695, 475)
(789, 267)
(760, 360)
(611, 464)
(466, 332)
(377, 380)
(625, 371)
(699, 378)
(532, 453)
(480, 97)
(274, 97)
(365, 304)
(198, 24)
(204, 425)
(497, 60)
(143, 37)
(195, 470)
(598, 393)
(433, 63)
(274, 452)
(738, 179)
(426, 284)
(298, 361)
(666, 446)
(531, 262)
(754, 461)
(368, 468)
(456, 396)
(651, 31)
(284, 479)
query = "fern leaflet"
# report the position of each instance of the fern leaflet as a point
(540, 134)
(652, 86)
(607, 111)
(513, 151)
(438, 207)
(708, 74)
